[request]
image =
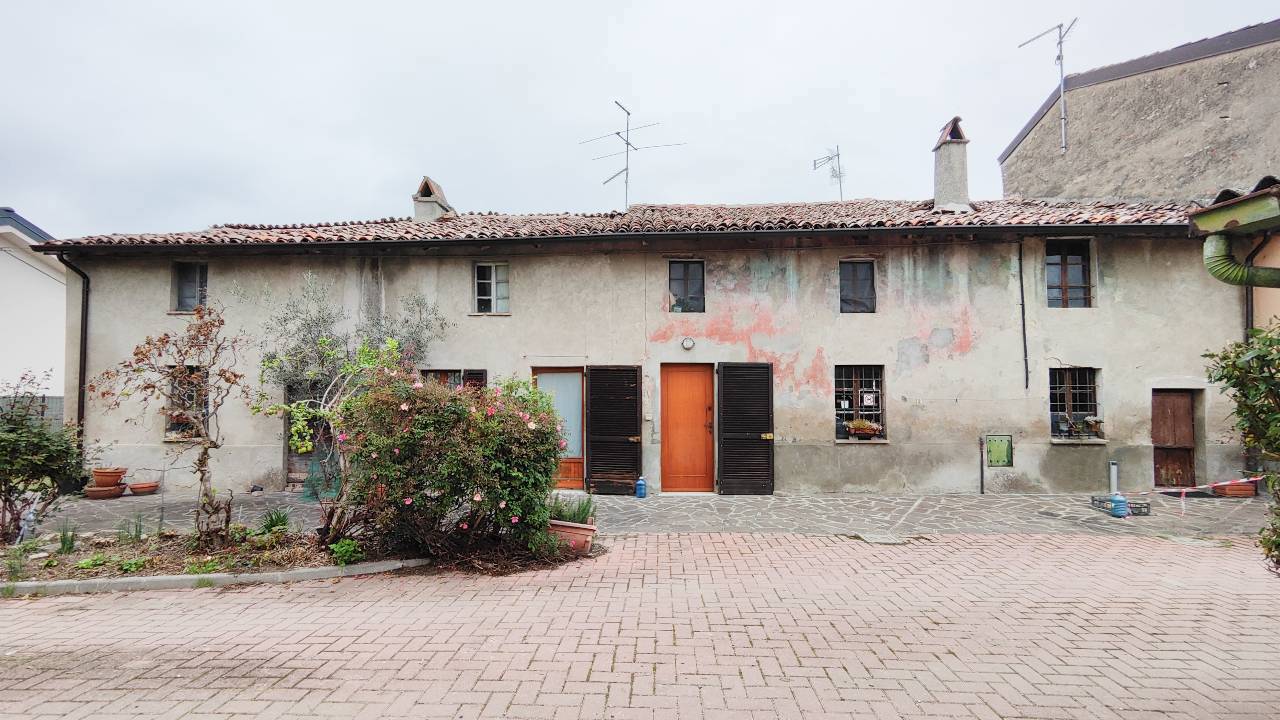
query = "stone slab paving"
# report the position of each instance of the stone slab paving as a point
(818, 514)
(688, 626)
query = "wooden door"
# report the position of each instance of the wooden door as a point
(745, 425)
(688, 456)
(613, 429)
(1173, 437)
(565, 385)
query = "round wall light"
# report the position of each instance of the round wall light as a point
(687, 343)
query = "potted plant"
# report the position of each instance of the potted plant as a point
(573, 522)
(864, 429)
(108, 476)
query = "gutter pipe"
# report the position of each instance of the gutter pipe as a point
(82, 360)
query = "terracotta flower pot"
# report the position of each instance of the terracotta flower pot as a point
(576, 535)
(143, 488)
(108, 477)
(104, 493)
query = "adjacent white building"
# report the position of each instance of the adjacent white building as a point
(33, 297)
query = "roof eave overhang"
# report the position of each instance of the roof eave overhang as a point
(748, 238)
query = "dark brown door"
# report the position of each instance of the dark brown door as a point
(745, 415)
(688, 450)
(1173, 435)
(613, 429)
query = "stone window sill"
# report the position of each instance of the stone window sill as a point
(1077, 441)
(854, 441)
(180, 312)
(476, 314)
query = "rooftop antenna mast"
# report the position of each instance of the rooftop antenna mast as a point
(832, 160)
(627, 147)
(1062, 74)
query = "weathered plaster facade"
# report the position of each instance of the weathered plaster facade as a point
(947, 330)
(1181, 132)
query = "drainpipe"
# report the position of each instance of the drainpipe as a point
(82, 360)
(1248, 291)
(1223, 266)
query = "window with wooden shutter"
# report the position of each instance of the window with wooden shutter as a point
(745, 428)
(613, 429)
(475, 378)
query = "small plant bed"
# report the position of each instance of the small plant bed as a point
(127, 553)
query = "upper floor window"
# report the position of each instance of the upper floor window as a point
(686, 285)
(859, 401)
(190, 286)
(493, 291)
(857, 286)
(1073, 402)
(1066, 271)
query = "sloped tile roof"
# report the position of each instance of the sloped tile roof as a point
(655, 219)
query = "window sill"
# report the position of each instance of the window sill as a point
(854, 441)
(494, 314)
(180, 439)
(180, 312)
(1077, 441)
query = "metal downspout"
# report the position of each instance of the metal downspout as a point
(1223, 266)
(82, 361)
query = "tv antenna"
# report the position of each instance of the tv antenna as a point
(627, 148)
(832, 161)
(1062, 75)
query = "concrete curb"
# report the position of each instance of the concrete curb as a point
(179, 582)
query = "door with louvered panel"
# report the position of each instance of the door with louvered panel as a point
(613, 429)
(744, 415)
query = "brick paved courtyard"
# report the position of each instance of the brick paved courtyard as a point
(697, 625)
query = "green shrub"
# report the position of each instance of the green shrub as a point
(274, 519)
(39, 459)
(202, 567)
(346, 551)
(238, 533)
(96, 560)
(15, 561)
(575, 510)
(435, 466)
(132, 565)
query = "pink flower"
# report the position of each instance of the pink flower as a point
(404, 406)
(477, 497)
(488, 411)
(564, 444)
(497, 391)
(533, 426)
(342, 437)
(464, 526)
(473, 408)
(417, 385)
(524, 416)
(396, 451)
(502, 504)
(373, 455)
(408, 501)
(515, 519)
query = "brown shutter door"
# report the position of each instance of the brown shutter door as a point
(475, 378)
(745, 428)
(613, 429)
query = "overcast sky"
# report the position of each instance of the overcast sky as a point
(163, 116)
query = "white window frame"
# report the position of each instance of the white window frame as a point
(493, 282)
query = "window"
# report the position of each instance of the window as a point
(685, 277)
(190, 285)
(859, 396)
(1066, 270)
(188, 400)
(492, 288)
(457, 378)
(1073, 402)
(857, 286)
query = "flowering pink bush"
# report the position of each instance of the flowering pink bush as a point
(475, 464)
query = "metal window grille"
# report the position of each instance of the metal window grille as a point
(493, 288)
(857, 286)
(859, 394)
(1073, 402)
(686, 280)
(191, 285)
(1066, 269)
(187, 396)
(448, 378)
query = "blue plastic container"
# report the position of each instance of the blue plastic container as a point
(1119, 506)
(640, 487)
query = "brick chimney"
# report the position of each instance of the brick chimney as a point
(951, 170)
(429, 202)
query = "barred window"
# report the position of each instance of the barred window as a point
(859, 396)
(1073, 402)
(1066, 270)
(857, 286)
(188, 400)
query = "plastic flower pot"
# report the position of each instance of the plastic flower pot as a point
(576, 536)
(109, 476)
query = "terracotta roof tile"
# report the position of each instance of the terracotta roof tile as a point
(645, 219)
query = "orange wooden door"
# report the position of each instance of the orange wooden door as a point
(565, 387)
(688, 460)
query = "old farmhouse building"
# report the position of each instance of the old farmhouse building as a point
(1010, 345)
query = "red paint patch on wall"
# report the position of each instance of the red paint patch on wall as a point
(964, 334)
